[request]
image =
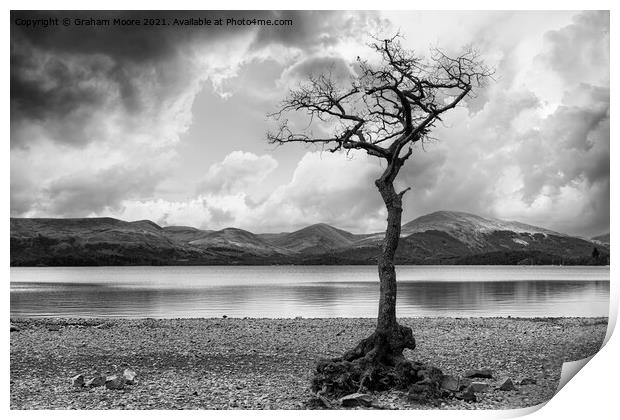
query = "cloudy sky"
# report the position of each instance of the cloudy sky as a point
(169, 124)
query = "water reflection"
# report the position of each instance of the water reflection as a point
(308, 292)
(503, 298)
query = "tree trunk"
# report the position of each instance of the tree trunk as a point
(387, 343)
(386, 321)
(377, 362)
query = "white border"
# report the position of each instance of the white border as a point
(594, 391)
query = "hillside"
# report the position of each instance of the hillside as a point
(469, 228)
(437, 238)
(602, 239)
(315, 239)
(93, 241)
(237, 241)
(185, 233)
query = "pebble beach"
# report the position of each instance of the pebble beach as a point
(238, 363)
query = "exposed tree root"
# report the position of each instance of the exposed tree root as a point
(377, 364)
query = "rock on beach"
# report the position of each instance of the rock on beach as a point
(527, 381)
(450, 383)
(479, 373)
(467, 395)
(115, 382)
(356, 400)
(96, 381)
(77, 381)
(130, 376)
(479, 386)
(507, 385)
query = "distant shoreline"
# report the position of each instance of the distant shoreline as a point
(317, 264)
(80, 321)
(237, 363)
(445, 238)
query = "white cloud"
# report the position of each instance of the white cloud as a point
(238, 172)
(325, 187)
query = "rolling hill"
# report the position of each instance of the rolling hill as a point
(314, 239)
(93, 241)
(237, 241)
(444, 237)
(602, 239)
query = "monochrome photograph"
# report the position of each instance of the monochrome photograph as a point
(306, 210)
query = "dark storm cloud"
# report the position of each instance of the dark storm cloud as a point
(132, 43)
(58, 70)
(57, 92)
(123, 95)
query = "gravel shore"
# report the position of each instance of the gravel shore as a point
(268, 363)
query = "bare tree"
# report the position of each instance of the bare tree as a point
(384, 109)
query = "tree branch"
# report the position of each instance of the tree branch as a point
(383, 108)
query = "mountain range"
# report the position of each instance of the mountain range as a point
(444, 237)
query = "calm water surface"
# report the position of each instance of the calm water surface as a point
(308, 291)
